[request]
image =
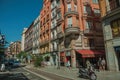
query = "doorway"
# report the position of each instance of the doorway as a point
(117, 51)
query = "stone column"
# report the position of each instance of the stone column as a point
(112, 63)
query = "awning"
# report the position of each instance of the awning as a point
(91, 53)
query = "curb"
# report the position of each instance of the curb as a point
(46, 78)
(55, 74)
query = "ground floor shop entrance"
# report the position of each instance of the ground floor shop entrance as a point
(88, 55)
(117, 51)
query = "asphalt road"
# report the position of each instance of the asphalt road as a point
(48, 75)
(28, 74)
(19, 74)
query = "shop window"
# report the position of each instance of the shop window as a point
(115, 26)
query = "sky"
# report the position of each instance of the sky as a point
(16, 15)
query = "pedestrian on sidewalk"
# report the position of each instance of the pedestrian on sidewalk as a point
(99, 64)
(88, 64)
(2, 67)
(68, 64)
(103, 63)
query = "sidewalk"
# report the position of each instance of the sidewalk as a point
(73, 73)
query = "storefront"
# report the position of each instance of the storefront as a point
(117, 51)
(91, 55)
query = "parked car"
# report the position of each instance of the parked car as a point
(16, 64)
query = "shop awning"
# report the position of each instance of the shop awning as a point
(91, 53)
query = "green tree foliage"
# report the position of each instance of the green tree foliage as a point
(22, 54)
(38, 61)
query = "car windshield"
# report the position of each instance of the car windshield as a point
(16, 62)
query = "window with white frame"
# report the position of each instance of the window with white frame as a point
(97, 12)
(69, 7)
(87, 9)
(69, 20)
(75, 7)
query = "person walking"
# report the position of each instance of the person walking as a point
(103, 63)
(99, 64)
(2, 67)
(88, 64)
(68, 64)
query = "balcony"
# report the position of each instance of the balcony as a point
(112, 9)
(59, 20)
(54, 38)
(72, 30)
(58, 9)
(71, 12)
(87, 31)
(44, 42)
(86, 2)
(60, 34)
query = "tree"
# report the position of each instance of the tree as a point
(22, 54)
(38, 61)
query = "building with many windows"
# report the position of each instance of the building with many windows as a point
(29, 39)
(79, 31)
(110, 13)
(23, 40)
(53, 43)
(15, 48)
(71, 30)
(36, 36)
(45, 31)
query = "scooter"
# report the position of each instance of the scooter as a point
(87, 73)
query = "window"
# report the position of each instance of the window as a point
(77, 21)
(95, 1)
(69, 21)
(91, 42)
(58, 2)
(115, 26)
(69, 7)
(87, 9)
(86, 42)
(97, 12)
(59, 15)
(113, 4)
(75, 7)
(89, 25)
